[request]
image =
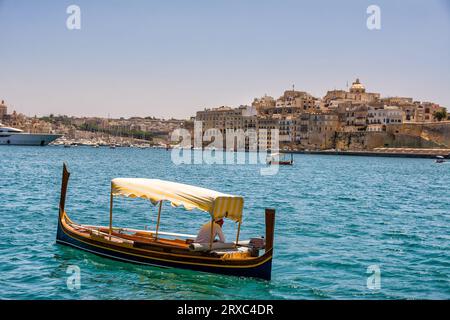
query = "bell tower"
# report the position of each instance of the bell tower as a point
(3, 110)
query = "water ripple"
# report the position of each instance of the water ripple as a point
(335, 217)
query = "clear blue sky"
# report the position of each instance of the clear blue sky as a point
(171, 58)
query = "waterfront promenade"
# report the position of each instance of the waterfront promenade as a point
(385, 152)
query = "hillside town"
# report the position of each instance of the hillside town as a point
(351, 119)
(342, 119)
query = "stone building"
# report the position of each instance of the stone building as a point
(397, 101)
(297, 99)
(282, 111)
(288, 130)
(317, 130)
(409, 112)
(414, 111)
(266, 126)
(353, 117)
(218, 120)
(379, 118)
(262, 103)
(291, 103)
(425, 111)
(357, 92)
(223, 118)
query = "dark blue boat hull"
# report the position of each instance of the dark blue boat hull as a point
(262, 271)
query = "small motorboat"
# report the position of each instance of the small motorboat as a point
(166, 249)
(280, 159)
(440, 159)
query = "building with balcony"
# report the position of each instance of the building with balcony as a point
(353, 117)
(317, 130)
(217, 121)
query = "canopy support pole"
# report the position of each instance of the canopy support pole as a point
(110, 213)
(237, 234)
(211, 236)
(157, 223)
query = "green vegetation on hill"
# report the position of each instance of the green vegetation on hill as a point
(117, 131)
(440, 115)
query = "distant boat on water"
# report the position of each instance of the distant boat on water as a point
(280, 159)
(13, 136)
(440, 159)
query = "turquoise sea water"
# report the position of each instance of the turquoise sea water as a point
(336, 216)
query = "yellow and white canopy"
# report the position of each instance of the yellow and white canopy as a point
(219, 205)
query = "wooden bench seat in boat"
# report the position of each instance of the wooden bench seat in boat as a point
(146, 238)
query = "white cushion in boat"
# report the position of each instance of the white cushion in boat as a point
(215, 246)
(232, 250)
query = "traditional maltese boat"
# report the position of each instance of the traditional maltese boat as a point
(280, 159)
(173, 250)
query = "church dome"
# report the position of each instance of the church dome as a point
(357, 87)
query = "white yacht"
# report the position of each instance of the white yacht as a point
(13, 136)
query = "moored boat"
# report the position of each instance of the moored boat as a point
(13, 136)
(165, 249)
(280, 159)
